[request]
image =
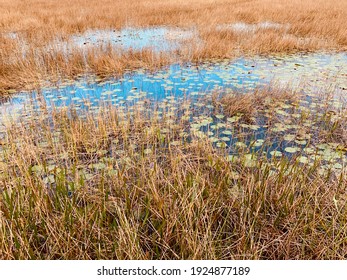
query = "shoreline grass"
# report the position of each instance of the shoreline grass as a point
(128, 182)
(305, 26)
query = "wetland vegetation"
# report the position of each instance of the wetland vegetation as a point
(167, 130)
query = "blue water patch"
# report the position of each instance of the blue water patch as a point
(155, 38)
(306, 72)
(183, 93)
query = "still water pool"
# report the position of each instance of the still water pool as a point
(285, 129)
(305, 72)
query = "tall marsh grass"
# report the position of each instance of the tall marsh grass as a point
(27, 29)
(128, 182)
(159, 181)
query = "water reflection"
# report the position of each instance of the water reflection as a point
(308, 73)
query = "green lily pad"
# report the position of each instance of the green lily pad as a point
(303, 159)
(97, 166)
(249, 160)
(276, 153)
(292, 150)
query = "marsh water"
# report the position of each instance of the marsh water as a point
(156, 38)
(305, 72)
(311, 74)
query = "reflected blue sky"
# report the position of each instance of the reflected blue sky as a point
(307, 72)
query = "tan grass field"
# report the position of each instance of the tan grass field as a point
(311, 25)
(144, 180)
(124, 185)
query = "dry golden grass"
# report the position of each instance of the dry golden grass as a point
(111, 186)
(38, 18)
(312, 25)
(126, 183)
(248, 104)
